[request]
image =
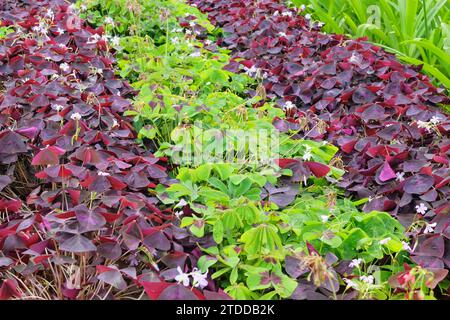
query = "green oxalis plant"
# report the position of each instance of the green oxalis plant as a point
(253, 236)
(167, 63)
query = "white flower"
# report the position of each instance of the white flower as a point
(307, 16)
(302, 7)
(188, 32)
(429, 228)
(195, 54)
(115, 41)
(276, 13)
(422, 209)
(355, 263)
(199, 279)
(178, 214)
(435, 120)
(265, 75)
(83, 7)
(94, 39)
(192, 24)
(64, 67)
(115, 123)
(399, 176)
(174, 40)
(385, 240)
(50, 14)
(350, 283)
(406, 246)
(353, 58)
(287, 14)
(208, 42)
(182, 277)
(307, 155)
(251, 71)
(367, 279)
(60, 31)
(109, 20)
(288, 106)
(182, 203)
(75, 116)
(103, 174)
(282, 34)
(320, 24)
(424, 124)
(95, 70)
(57, 107)
(324, 218)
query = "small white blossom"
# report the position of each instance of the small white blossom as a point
(199, 279)
(424, 125)
(57, 107)
(178, 214)
(208, 42)
(64, 67)
(399, 176)
(50, 14)
(282, 34)
(103, 174)
(421, 208)
(354, 58)
(406, 246)
(324, 218)
(115, 41)
(288, 106)
(307, 16)
(351, 283)
(188, 32)
(385, 240)
(195, 54)
(355, 263)
(276, 13)
(182, 277)
(60, 31)
(115, 123)
(302, 7)
(435, 120)
(109, 20)
(75, 116)
(180, 204)
(83, 7)
(175, 40)
(192, 24)
(367, 279)
(307, 156)
(287, 14)
(429, 228)
(94, 39)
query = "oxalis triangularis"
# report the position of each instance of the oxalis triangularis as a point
(77, 206)
(383, 115)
